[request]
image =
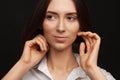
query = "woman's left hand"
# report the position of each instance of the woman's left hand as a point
(89, 51)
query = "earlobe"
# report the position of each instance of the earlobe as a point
(78, 32)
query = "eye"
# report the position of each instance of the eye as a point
(50, 17)
(71, 18)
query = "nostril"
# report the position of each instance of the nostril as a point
(60, 30)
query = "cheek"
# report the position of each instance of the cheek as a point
(48, 27)
(74, 28)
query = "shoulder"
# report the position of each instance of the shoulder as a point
(108, 75)
(39, 72)
(35, 74)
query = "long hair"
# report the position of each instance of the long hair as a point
(35, 24)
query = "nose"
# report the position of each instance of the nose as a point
(61, 26)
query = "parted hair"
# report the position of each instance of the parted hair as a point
(35, 24)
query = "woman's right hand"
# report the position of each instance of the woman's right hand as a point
(31, 54)
(30, 57)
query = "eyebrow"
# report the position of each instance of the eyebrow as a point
(69, 13)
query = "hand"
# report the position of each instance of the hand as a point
(31, 54)
(89, 50)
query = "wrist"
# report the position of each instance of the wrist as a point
(23, 65)
(95, 73)
(16, 72)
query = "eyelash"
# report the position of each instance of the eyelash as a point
(71, 18)
(53, 17)
(50, 17)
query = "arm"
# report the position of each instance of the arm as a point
(16, 72)
(30, 57)
(89, 57)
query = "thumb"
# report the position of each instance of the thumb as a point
(82, 48)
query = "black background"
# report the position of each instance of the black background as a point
(104, 18)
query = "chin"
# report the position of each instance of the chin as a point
(60, 47)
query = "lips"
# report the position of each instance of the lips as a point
(60, 38)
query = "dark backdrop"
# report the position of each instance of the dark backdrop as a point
(104, 18)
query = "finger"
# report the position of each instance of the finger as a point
(87, 44)
(41, 37)
(83, 33)
(35, 43)
(91, 40)
(82, 48)
(44, 43)
(94, 40)
(95, 46)
(87, 36)
(97, 41)
(97, 38)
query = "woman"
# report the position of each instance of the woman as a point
(59, 45)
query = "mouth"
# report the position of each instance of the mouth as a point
(60, 38)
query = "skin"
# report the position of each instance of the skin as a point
(61, 28)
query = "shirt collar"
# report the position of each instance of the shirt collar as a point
(42, 66)
(76, 73)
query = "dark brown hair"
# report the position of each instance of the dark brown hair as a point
(34, 25)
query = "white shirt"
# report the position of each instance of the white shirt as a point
(41, 72)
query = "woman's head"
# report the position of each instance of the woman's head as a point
(60, 26)
(35, 25)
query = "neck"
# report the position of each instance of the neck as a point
(61, 60)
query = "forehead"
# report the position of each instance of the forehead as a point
(62, 5)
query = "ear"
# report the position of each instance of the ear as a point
(78, 32)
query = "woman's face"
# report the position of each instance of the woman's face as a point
(61, 24)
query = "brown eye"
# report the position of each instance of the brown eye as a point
(71, 18)
(50, 17)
